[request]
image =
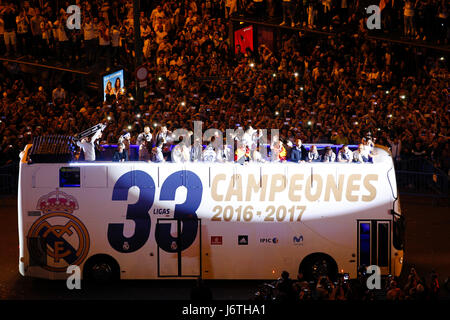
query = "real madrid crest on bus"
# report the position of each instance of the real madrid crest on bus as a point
(57, 239)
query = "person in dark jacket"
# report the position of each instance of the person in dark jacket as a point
(120, 155)
(299, 153)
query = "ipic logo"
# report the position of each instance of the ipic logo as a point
(374, 21)
(374, 280)
(268, 240)
(74, 17)
(74, 280)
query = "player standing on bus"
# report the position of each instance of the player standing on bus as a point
(88, 146)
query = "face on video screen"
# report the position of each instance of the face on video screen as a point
(113, 84)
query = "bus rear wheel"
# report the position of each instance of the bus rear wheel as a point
(316, 265)
(101, 269)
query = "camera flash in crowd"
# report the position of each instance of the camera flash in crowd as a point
(309, 123)
(274, 75)
(252, 65)
(301, 88)
(277, 113)
(387, 91)
(402, 97)
(442, 58)
(183, 103)
(389, 115)
(109, 118)
(129, 127)
(138, 115)
(155, 124)
(296, 74)
(159, 78)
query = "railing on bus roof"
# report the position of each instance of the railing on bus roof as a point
(109, 149)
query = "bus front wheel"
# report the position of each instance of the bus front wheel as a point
(101, 269)
(316, 265)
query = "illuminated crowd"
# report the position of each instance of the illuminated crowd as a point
(320, 90)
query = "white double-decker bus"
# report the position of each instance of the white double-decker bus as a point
(138, 220)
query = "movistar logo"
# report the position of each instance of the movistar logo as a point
(298, 240)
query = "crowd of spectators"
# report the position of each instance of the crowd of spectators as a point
(425, 20)
(412, 287)
(319, 90)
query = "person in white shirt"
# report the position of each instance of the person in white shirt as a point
(396, 148)
(89, 39)
(157, 155)
(156, 13)
(313, 154)
(23, 24)
(58, 94)
(367, 148)
(115, 44)
(180, 153)
(160, 34)
(329, 155)
(104, 42)
(144, 136)
(230, 8)
(88, 146)
(345, 155)
(209, 154)
(62, 40)
(358, 155)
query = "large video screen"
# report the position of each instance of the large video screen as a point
(113, 85)
(244, 39)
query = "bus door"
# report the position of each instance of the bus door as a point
(374, 239)
(180, 255)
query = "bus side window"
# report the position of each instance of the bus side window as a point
(69, 177)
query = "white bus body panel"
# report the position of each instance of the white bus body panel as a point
(326, 224)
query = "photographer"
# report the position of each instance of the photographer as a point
(324, 289)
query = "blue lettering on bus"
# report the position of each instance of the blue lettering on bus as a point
(137, 212)
(186, 212)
